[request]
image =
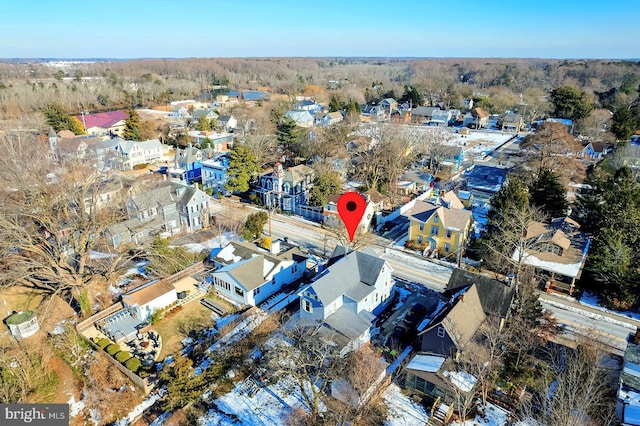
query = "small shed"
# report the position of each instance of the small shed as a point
(22, 324)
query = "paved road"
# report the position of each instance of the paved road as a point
(583, 325)
(322, 242)
(580, 323)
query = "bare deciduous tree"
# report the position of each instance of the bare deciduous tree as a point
(53, 223)
(24, 376)
(577, 390)
(552, 147)
(310, 357)
(506, 251)
(434, 144)
(263, 146)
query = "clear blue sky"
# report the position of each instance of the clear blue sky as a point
(240, 28)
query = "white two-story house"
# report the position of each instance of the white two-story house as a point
(249, 275)
(347, 296)
(134, 152)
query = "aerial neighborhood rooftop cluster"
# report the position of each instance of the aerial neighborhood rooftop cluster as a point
(175, 241)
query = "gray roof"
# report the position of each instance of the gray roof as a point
(350, 324)
(485, 178)
(166, 194)
(223, 119)
(511, 118)
(186, 155)
(495, 296)
(250, 269)
(298, 173)
(249, 272)
(354, 276)
(126, 146)
(299, 116)
(109, 143)
(203, 112)
(423, 111)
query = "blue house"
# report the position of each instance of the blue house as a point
(214, 173)
(188, 164)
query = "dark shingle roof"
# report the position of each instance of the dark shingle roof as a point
(495, 296)
(461, 318)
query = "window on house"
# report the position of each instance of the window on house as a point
(434, 230)
(435, 219)
(447, 247)
(306, 305)
(377, 297)
(448, 233)
(256, 291)
(421, 227)
(419, 239)
(239, 291)
(441, 332)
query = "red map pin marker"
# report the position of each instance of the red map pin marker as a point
(351, 207)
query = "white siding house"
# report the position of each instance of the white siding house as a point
(348, 295)
(134, 153)
(248, 275)
(150, 298)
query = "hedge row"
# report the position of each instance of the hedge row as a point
(122, 356)
(131, 362)
(113, 349)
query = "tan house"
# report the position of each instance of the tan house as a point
(440, 226)
(477, 118)
(450, 330)
(558, 247)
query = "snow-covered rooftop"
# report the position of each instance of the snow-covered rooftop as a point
(429, 363)
(462, 380)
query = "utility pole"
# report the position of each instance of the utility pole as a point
(269, 204)
(84, 123)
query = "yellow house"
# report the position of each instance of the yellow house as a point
(442, 226)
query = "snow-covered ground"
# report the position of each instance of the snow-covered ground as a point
(222, 241)
(494, 416)
(402, 410)
(478, 145)
(75, 407)
(270, 405)
(591, 300)
(588, 314)
(140, 408)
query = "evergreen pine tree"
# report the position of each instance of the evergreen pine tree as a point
(243, 166)
(334, 104)
(290, 137)
(131, 130)
(548, 193)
